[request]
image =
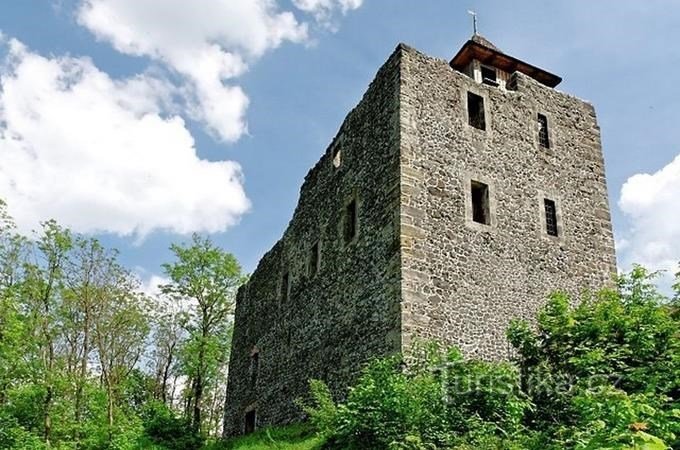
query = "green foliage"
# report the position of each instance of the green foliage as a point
(15, 437)
(207, 278)
(610, 362)
(163, 428)
(293, 437)
(75, 347)
(435, 402)
(604, 374)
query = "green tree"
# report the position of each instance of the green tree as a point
(12, 321)
(43, 290)
(609, 362)
(207, 278)
(120, 329)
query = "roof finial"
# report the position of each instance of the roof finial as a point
(474, 21)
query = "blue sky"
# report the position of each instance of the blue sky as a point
(140, 121)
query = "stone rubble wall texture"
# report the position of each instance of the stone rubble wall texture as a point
(420, 268)
(336, 320)
(463, 282)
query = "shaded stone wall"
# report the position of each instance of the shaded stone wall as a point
(464, 281)
(335, 320)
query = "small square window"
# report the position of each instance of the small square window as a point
(550, 217)
(350, 221)
(543, 135)
(479, 193)
(314, 258)
(285, 286)
(489, 76)
(476, 111)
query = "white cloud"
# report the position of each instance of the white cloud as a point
(151, 285)
(99, 155)
(323, 10)
(651, 203)
(208, 42)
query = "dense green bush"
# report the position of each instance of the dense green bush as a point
(436, 402)
(604, 374)
(166, 430)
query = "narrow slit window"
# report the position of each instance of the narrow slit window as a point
(314, 257)
(543, 135)
(489, 76)
(550, 217)
(480, 202)
(285, 286)
(350, 222)
(254, 369)
(476, 111)
(250, 420)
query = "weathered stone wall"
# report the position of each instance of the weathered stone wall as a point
(462, 281)
(348, 312)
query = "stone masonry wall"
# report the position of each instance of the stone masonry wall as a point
(463, 281)
(335, 320)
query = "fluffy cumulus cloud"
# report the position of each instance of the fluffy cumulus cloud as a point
(208, 42)
(323, 10)
(99, 155)
(650, 202)
(115, 155)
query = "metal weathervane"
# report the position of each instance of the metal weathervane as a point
(474, 20)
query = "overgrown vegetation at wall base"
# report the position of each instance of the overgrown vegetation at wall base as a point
(602, 375)
(292, 437)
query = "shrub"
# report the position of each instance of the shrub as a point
(604, 374)
(428, 404)
(165, 429)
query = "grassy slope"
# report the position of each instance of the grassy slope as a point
(294, 437)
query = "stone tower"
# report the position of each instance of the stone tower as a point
(455, 197)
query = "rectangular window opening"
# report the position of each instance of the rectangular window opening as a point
(250, 420)
(480, 203)
(350, 221)
(314, 257)
(285, 286)
(476, 111)
(543, 136)
(489, 76)
(550, 217)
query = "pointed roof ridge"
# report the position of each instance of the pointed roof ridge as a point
(481, 40)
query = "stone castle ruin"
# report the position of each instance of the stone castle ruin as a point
(454, 198)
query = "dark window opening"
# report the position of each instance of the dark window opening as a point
(254, 368)
(543, 136)
(313, 260)
(285, 286)
(250, 422)
(350, 222)
(476, 111)
(489, 76)
(550, 217)
(480, 202)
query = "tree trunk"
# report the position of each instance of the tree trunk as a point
(82, 379)
(47, 420)
(198, 386)
(109, 408)
(166, 374)
(198, 394)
